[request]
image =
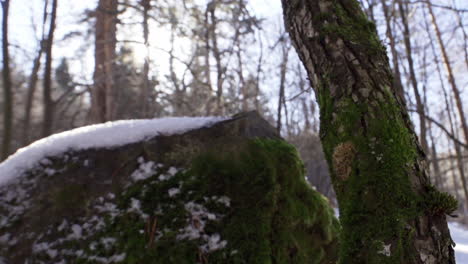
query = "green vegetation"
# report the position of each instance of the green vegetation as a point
(357, 29)
(258, 201)
(377, 190)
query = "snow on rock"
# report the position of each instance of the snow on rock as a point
(106, 135)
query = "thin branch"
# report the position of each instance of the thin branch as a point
(437, 123)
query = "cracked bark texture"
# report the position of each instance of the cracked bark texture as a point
(389, 211)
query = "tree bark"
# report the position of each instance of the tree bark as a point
(103, 93)
(7, 93)
(48, 110)
(389, 211)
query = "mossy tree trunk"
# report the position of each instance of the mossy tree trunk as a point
(389, 211)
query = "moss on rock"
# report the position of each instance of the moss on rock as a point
(252, 206)
(225, 198)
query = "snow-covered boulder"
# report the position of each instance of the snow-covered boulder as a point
(177, 190)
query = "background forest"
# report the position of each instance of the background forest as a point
(71, 63)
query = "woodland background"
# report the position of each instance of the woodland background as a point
(67, 64)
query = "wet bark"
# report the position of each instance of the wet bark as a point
(389, 210)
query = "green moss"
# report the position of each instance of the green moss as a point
(69, 196)
(378, 192)
(437, 202)
(355, 28)
(273, 216)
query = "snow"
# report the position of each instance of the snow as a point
(386, 250)
(173, 192)
(106, 135)
(460, 236)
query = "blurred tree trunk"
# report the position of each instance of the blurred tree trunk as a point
(391, 38)
(243, 88)
(258, 73)
(48, 110)
(414, 83)
(283, 69)
(438, 180)
(103, 93)
(32, 83)
(145, 93)
(7, 93)
(389, 211)
(207, 66)
(211, 9)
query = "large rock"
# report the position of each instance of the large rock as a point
(233, 192)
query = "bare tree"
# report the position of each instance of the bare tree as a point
(7, 93)
(33, 77)
(285, 48)
(449, 70)
(48, 113)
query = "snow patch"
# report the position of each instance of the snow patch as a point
(173, 192)
(106, 135)
(386, 250)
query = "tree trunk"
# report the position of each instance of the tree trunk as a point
(207, 66)
(217, 56)
(32, 83)
(389, 211)
(396, 66)
(7, 93)
(145, 93)
(283, 69)
(257, 75)
(48, 110)
(103, 94)
(437, 176)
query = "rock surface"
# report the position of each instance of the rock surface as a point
(230, 193)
